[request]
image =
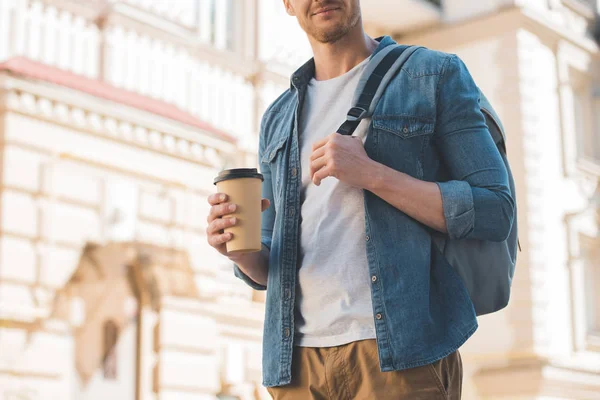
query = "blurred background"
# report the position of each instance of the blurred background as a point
(116, 115)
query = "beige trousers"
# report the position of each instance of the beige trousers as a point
(351, 372)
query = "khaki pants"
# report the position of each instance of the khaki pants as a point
(351, 372)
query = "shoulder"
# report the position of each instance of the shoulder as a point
(427, 62)
(274, 117)
(281, 103)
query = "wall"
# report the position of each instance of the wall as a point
(519, 61)
(94, 175)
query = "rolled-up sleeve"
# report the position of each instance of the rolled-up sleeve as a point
(477, 200)
(254, 285)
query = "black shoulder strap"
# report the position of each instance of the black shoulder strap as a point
(377, 77)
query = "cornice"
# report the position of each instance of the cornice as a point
(120, 123)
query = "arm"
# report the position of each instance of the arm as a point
(254, 265)
(475, 204)
(418, 199)
(344, 158)
(253, 268)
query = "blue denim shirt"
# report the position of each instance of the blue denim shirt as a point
(428, 124)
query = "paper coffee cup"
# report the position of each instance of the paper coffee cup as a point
(243, 186)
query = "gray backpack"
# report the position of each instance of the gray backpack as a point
(486, 268)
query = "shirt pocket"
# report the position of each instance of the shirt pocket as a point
(275, 159)
(401, 141)
(404, 127)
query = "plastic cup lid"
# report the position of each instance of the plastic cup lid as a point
(238, 173)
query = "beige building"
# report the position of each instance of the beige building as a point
(116, 115)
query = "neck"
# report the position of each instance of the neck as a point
(337, 58)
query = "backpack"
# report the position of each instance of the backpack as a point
(486, 268)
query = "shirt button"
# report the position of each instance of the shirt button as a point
(292, 212)
(294, 171)
(287, 332)
(374, 278)
(405, 130)
(379, 316)
(368, 238)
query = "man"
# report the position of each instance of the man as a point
(361, 304)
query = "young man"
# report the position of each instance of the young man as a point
(361, 304)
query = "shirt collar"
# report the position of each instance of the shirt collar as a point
(306, 72)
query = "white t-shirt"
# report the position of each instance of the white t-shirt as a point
(333, 303)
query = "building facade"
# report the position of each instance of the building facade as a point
(539, 65)
(115, 116)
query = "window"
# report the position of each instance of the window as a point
(586, 107)
(109, 363)
(218, 23)
(583, 229)
(596, 127)
(213, 21)
(580, 111)
(230, 26)
(591, 255)
(591, 263)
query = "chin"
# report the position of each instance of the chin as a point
(330, 34)
(332, 30)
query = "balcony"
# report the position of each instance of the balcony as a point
(401, 16)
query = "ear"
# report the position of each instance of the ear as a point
(288, 8)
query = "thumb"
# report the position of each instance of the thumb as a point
(265, 204)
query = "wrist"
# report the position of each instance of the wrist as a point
(374, 177)
(236, 258)
(242, 259)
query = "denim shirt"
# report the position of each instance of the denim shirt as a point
(428, 125)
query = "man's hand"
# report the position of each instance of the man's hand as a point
(218, 221)
(341, 157)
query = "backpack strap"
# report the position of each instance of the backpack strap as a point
(374, 80)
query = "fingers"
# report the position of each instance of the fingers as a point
(320, 152)
(220, 210)
(323, 142)
(265, 203)
(217, 198)
(318, 157)
(217, 240)
(317, 165)
(320, 175)
(219, 224)
(217, 220)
